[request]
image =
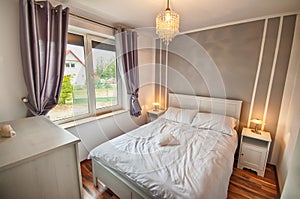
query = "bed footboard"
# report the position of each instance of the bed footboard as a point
(117, 183)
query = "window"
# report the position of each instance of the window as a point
(105, 72)
(90, 85)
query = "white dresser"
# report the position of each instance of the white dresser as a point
(41, 161)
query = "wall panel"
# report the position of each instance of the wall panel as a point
(280, 75)
(266, 68)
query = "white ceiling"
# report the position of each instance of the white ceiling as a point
(194, 14)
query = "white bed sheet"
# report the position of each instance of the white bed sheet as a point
(199, 167)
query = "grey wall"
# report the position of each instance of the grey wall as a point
(223, 62)
(227, 65)
(11, 75)
(292, 183)
(288, 168)
(286, 147)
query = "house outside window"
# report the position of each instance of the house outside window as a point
(90, 85)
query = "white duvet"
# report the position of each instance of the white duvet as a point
(199, 167)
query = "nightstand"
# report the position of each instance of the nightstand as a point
(254, 150)
(153, 115)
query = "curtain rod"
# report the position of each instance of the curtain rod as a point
(99, 23)
(75, 15)
(38, 3)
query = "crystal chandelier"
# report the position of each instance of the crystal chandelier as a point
(167, 24)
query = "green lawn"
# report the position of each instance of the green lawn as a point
(102, 95)
(79, 104)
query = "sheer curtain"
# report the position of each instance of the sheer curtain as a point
(43, 39)
(127, 58)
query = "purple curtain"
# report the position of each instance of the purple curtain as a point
(127, 57)
(43, 39)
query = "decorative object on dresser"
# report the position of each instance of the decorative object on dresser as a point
(254, 150)
(40, 162)
(6, 131)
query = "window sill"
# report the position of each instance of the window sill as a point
(90, 119)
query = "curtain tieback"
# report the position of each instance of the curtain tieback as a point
(134, 96)
(135, 108)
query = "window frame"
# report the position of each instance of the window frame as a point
(89, 72)
(89, 59)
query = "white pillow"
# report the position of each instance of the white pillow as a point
(168, 140)
(221, 123)
(180, 115)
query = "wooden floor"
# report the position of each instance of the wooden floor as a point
(243, 184)
(89, 190)
(246, 184)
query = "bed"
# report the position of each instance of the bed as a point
(186, 153)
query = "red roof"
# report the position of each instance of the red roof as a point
(70, 51)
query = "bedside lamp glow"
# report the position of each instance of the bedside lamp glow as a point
(257, 122)
(155, 106)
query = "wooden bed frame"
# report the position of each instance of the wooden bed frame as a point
(124, 187)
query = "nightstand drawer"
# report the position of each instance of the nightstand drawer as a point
(255, 142)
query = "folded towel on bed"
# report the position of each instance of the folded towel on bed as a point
(168, 140)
